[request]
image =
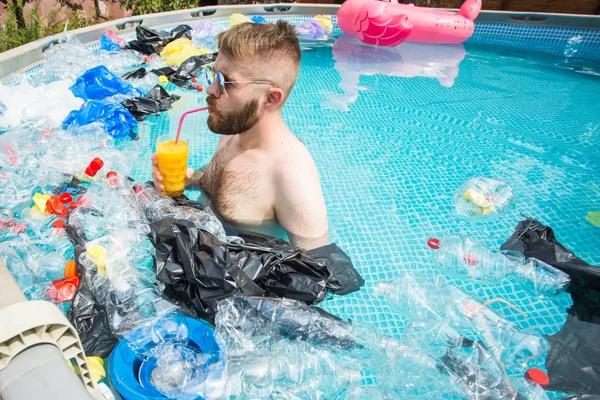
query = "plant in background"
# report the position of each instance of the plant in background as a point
(20, 27)
(153, 6)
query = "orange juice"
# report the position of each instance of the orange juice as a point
(172, 164)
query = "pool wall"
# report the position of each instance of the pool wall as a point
(577, 36)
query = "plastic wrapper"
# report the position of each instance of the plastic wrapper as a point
(151, 41)
(115, 119)
(261, 266)
(313, 30)
(483, 198)
(154, 102)
(99, 83)
(180, 50)
(45, 105)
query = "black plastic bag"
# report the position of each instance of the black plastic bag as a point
(136, 73)
(573, 362)
(155, 101)
(188, 69)
(90, 318)
(151, 41)
(536, 240)
(199, 270)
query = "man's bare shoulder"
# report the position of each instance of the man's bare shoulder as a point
(294, 161)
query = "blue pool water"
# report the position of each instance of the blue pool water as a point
(394, 132)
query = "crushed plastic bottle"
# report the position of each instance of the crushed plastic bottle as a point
(483, 198)
(459, 255)
(154, 204)
(542, 280)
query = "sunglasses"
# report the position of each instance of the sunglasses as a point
(214, 76)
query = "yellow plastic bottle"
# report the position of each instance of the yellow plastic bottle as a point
(172, 164)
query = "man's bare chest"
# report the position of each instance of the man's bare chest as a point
(239, 187)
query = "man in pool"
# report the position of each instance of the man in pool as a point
(260, 174)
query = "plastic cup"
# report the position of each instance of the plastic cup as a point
(172, 163)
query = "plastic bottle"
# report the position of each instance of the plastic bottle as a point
(119, 212)
(458, 255)
(541, 279)
(154, 204)
(415, 298)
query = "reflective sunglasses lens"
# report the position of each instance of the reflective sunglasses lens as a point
(221, 82)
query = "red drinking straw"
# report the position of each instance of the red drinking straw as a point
(183, 116)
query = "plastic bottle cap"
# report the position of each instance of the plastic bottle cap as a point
(110, 174)
(199, 87)
(97, 164)
(65, 198)
(58, 224)
(434, 243)
(90, 171)
(194, 80)
(137, 189)
(538, 376)
(70, 269)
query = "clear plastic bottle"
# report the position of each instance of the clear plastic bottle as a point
(119, 212)
(458, 255)
(153, 204)
(541, 279)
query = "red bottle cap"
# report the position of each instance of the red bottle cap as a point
(137, 189)
(194, 80)
(90, 171)
(199, 87)
(538, 376)
(65, 198)
(434, 243)
(97, 164)
(58, 224)
(110, 174)
(56, 207)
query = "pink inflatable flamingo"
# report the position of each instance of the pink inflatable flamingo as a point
(390, 23)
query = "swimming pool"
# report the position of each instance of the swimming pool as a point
(394, 132)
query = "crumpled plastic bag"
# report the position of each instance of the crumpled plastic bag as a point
(325, 20)
(483, 198)
(115, 119)
(573, 362)
(107, 44)
(312, 29)
(198, 270)
(155, 101)
(48, 104)
(535, 240)
(99, 83)
(237, 19)
(257, 19)
(188, 69)
(180, 50)
(151, 41)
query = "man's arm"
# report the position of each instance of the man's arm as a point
(300, 207)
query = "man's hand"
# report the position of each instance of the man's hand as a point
(157, 177)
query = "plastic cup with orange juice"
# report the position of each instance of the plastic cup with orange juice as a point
(172, 163)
